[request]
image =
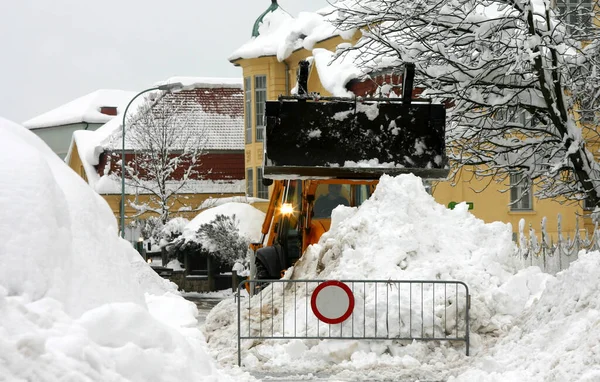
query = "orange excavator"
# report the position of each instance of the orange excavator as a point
(321, 152)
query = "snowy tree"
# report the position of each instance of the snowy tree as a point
(168, 146)
(521, 78)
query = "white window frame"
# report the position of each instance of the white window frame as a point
(521, 193)
(260, 97)
(262, 191)
(248, 108)
(576, 13)
(249, 182)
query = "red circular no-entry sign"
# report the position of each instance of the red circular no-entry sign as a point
(332, 302)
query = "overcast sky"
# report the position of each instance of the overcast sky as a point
(53, 51)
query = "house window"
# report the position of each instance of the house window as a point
(248, 108)
(262, 191)
(260, 94)
(577, 14)
(520, 193)
(588, 205)
(249, 183)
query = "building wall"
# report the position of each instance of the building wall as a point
(59, 137)
(212, 165)
(190, 200)
(490, 205)
(276, 85)
(193, 201)
(276, 73)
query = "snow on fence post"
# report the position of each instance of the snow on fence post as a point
(528, 247)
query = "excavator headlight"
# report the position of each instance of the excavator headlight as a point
(287, 209)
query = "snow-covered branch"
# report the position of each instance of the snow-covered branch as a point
(521, 76)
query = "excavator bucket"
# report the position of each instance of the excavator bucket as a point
(350, 138)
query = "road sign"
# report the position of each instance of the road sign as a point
(332, 302)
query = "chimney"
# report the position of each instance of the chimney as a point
(108, 110)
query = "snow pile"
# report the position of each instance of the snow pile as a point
(83, 109)
(400, 233)
(63, 313)
(408, 235)
(557, 338)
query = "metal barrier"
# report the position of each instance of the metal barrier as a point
(383, 310)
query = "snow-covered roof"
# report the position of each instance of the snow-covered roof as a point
(217, 113)
(280, 34)
(83, 109)
(205, 82)
(215, 107)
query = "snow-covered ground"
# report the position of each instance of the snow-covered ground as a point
(66, 316)
(525, 325)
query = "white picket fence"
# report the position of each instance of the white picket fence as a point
(550, 255)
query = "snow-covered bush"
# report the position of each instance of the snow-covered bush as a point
(158, 233)
(221, 237)
(151, 229)
(173, 229)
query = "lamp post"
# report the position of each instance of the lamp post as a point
(166, 87)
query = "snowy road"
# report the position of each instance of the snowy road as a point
(205, 304)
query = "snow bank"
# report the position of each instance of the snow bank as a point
(65, 315)
(399, 233)
(557, 338)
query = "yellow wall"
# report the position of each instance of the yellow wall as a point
(490, 205)
(275, 72)
(191, 200)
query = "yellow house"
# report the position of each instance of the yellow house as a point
(270, 60)
(210, 109)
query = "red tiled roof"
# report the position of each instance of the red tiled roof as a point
(215, 112)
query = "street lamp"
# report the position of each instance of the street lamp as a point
(166, 87)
